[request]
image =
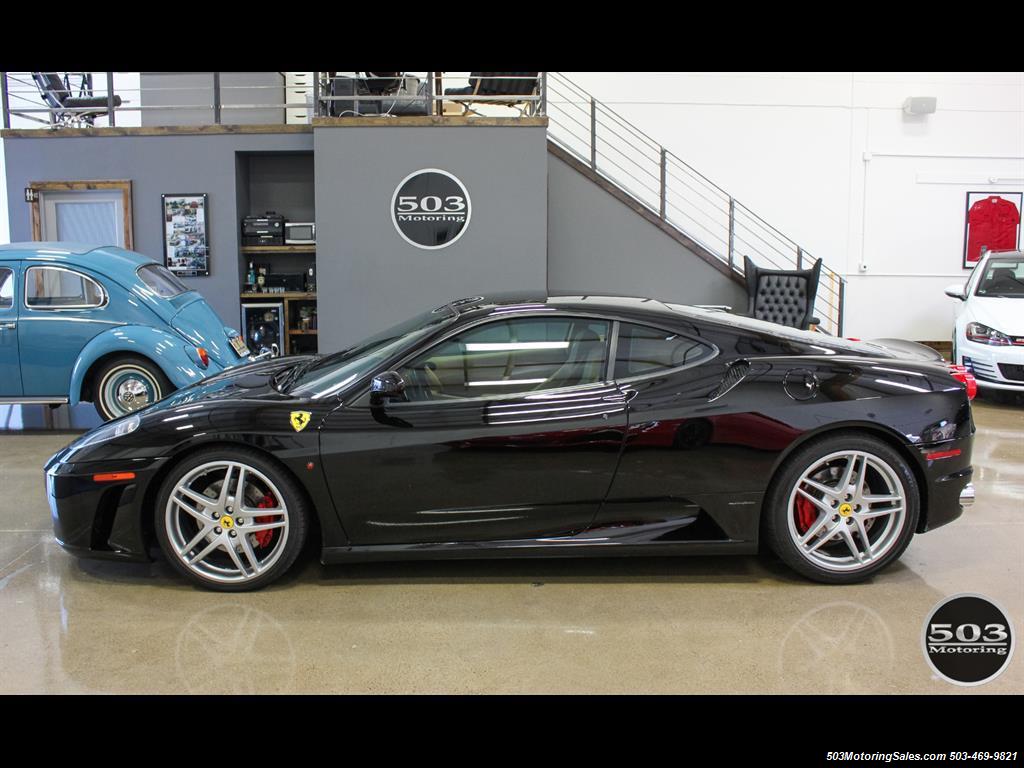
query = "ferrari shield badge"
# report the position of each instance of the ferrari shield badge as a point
(300, 419)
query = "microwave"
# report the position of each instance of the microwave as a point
(299, 233)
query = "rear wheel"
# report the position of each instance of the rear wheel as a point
(230, 519)
(125, 384)
(842, 508)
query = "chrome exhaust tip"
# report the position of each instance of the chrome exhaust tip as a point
(967, 495)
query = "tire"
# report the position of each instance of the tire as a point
(815, 527)
(127, 383)
(192, 532)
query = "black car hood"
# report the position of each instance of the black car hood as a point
(251, 381)
(189, 413)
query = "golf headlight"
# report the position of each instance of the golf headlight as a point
(982, 334)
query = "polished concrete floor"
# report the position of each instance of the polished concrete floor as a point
(738, 624)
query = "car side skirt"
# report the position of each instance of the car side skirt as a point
(530, 548)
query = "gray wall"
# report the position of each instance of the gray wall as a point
(195, 88)
(375, 277)
(576, 239)
(281, 183)
(598, 245)
(156, 165)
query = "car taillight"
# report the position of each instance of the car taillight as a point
(960, 373)
(204, 356)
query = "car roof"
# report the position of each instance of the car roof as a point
(78, 254)
(641, 308)
(527, 301)
(636, 307)
(1009, 255)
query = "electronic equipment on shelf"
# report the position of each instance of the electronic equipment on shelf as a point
(299, 233)
(286, 281)
(267, 229)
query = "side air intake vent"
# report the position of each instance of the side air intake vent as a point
(736, 373)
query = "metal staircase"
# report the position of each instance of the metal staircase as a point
(708, 219)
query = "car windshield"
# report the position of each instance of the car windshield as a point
(330, 374)
(161, 281)
(1003, 278)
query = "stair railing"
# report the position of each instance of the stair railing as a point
(677, 193)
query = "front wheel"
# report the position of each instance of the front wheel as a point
(842, 508)
(127, 384)
(230, 519)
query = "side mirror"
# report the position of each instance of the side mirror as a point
(956, 291)
(386, 386)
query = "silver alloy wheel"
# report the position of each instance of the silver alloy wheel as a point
(216, 527)
(128, 388)
(860, 508)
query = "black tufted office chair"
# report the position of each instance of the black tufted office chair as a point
(782, 296)
(69, 109)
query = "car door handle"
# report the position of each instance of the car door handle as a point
(5, 326)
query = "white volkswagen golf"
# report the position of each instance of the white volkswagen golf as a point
(988, 338)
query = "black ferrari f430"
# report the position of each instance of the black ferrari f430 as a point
(535, 427)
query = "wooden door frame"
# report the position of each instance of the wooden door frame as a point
(125, 185)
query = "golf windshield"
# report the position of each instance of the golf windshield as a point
(1003, 278)
(332, 373)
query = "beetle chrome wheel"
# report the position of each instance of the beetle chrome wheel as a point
(227, 521)
(847, 511)
(128, 388)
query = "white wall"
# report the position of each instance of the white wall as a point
(791, 146)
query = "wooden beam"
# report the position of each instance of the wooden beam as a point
(429, 121)
(152, 130)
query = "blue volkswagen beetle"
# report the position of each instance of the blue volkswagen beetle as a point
(106, 325)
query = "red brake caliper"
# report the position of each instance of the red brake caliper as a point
(805, 514)
(263, 537)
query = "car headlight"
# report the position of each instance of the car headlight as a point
(982, 334)
(119, 428)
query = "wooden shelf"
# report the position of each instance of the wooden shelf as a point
(299, 332)
(268, 249)
(291, 295)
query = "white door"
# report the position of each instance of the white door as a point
(95, 217)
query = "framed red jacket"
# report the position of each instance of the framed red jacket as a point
(992, 223)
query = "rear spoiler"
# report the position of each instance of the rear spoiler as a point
(908, 349)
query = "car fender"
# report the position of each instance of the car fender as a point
(166, 350)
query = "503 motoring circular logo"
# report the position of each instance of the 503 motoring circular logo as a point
(968, 639)
(431, 208)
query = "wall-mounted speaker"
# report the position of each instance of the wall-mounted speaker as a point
(919, 105)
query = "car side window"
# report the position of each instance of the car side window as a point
(6, 288)
(643, 350)
(58, 288)
(510, 356)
